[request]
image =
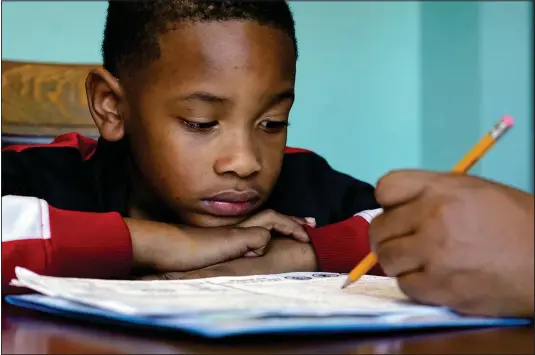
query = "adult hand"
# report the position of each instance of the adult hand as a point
(457, 241)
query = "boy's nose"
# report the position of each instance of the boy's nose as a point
(239, 157)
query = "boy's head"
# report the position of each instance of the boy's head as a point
(202, 90)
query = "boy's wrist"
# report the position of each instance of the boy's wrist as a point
(147, 241)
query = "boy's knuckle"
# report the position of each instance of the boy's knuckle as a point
(263, 233)
(271, 213)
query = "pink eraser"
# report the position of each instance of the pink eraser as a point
(508, 120)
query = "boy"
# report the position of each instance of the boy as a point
(191, 169)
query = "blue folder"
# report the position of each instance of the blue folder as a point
(220, 325)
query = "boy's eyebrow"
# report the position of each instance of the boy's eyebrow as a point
(288, 94)
(204, 96)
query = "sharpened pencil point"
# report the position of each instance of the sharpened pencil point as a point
(346, 283)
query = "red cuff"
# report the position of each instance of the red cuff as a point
(88, 245)
(341, 246)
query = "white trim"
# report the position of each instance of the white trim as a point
(369, 215)
(45, 220)
(24, 218)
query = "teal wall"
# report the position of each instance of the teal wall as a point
(381, 85)
(507, 85)
(450, 83)
(476, 66)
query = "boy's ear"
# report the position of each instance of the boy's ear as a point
(105, 97)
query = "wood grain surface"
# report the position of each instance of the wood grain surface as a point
(45, 100)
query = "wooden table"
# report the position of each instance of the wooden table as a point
(29, 332)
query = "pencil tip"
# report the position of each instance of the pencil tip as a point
(346, 283)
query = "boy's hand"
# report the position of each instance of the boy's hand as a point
(287, 225)
(281, 255)
(457, 241)
(163, 247)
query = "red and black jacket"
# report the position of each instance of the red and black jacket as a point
(63, 205)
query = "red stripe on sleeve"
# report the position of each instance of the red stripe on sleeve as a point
(82, 244)
(86, 146)
(290, 150)
(86, 244)
(341, 246)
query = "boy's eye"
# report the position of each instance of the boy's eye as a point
(274, 126)
(198, 126)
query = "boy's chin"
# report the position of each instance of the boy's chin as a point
(208, 221)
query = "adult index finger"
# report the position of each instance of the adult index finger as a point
(399, 186)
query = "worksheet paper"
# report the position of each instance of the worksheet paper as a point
(291, 294)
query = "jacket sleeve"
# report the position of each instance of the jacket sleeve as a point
(343, 242)
(56, 242)
(341, 246)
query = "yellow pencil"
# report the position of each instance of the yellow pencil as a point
(462, 166)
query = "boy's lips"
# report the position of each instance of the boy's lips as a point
(231, 203)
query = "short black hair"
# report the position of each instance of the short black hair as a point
(132, 27)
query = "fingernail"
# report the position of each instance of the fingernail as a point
(255, 253)
(310, 221)
(300, 220)
(250, 254)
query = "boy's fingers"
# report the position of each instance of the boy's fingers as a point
(291, 226)
(251, 254)
(238, 243)
(216, 245)
(306, 221)
(257, 252)
(242, 240)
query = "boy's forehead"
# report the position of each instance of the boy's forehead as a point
(200, 49)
